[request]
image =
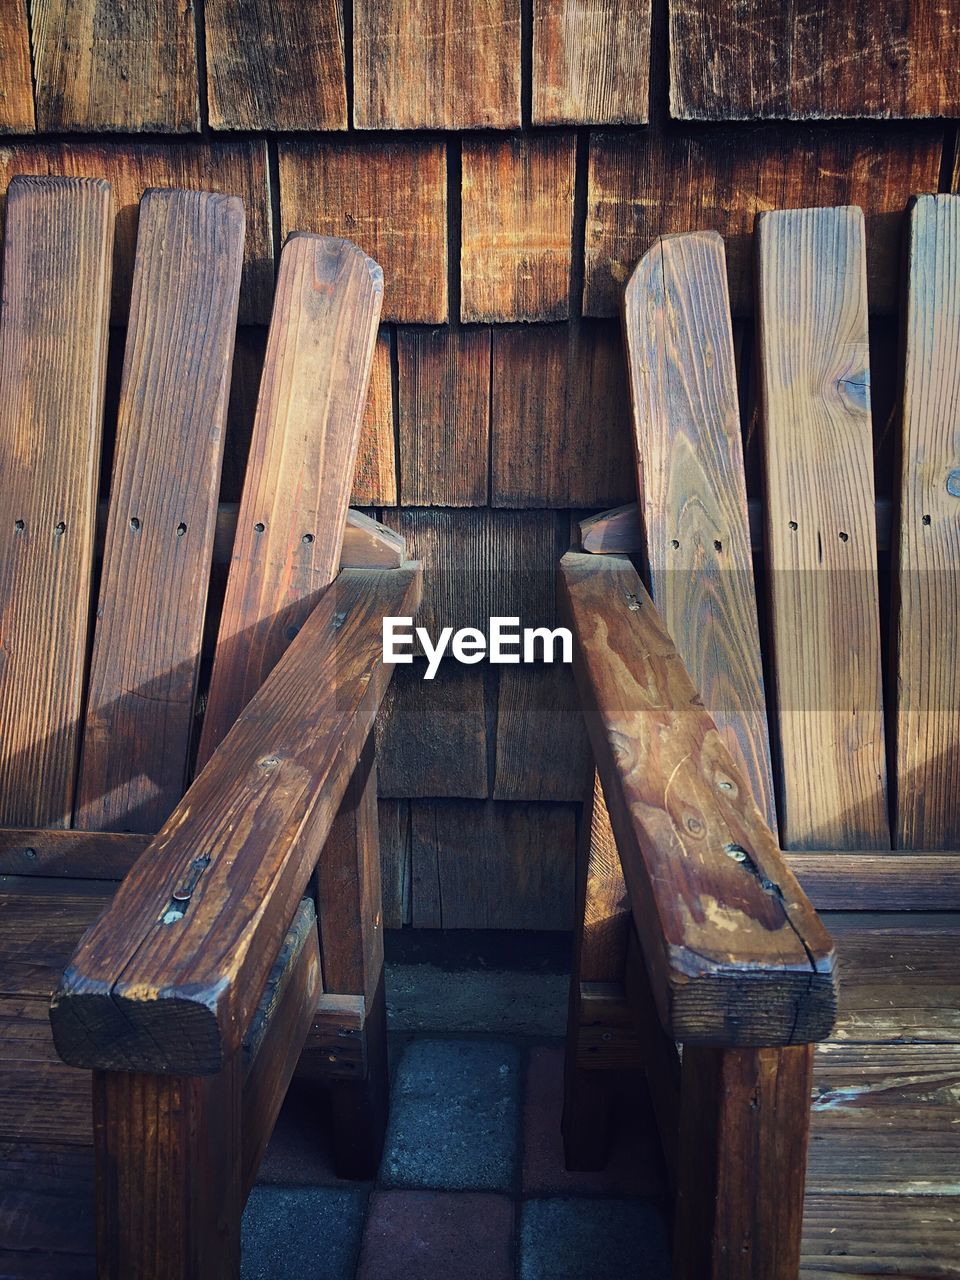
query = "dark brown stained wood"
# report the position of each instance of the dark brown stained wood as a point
(153, 586)
(260, 811)
(560, 421)
(336, 1049)
(248, 354)
(375, 477)
(591, 62)
(516, 227)
(735, 953)
(103, 66)
(846, 1236)
(432, 734)
(642, 185)
(480, 564)
(450, 67)
(389, 197)
(28, 851)
(491, 865)
(368, 544)
(899, 976)
(820, 532)
(42, 922)
(743, 1144)
(880, 881)
(444, 416)
(393, 818)
(231, 168)
(294, 505)
(46, 1205)
(53, 352)
(542, 749)
(928, 621)
(42, 1100)
(814, 60)
(693, 496)
(16, 76)
(275, 65)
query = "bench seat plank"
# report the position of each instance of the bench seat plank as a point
(846, 1236)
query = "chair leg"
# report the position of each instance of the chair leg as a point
(350, 911)
(744, 1124)
(600, 949)
(168, 1175)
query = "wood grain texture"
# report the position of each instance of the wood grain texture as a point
(444, 416)
(591, 62)
(42, 1100)
(260, 811)
(642, 185)
(693, 496)
(43, 920)
(454, 67)
(102, 66)
(847, 1236)
(16, 72)
(393, 818)
(821, 543)
(750, 60)
(368, 544)
(432, 736)
(879, 882)
(490, 865)
(560, 420)
(375, 476)
(927, 633)
(46, 1199)
(516, 227)
(542, 749)
(735, 953)
(388, 197)
(275, 65)
(31, 851)
(231, 168)
(294, 505)
(53, 350)
(138, 718)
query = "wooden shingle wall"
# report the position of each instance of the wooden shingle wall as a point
(507, 162)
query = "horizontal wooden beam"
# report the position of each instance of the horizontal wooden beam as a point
(836, 881)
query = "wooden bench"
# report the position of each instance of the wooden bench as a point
(741, 789)
(192, 989)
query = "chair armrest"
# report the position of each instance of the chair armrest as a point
(735, 952)
(169, 978)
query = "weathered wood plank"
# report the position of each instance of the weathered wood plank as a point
(879, 882)
(388, 197)
(231, 168)
(16, 91)
(845, 1236)
(455, 67)
(516, 227)
(393, 818)
(53, 350)
(42, 1099)
(750, 60)
(153, 587)
(102, 66)
(492, 865)
(821, 561)
(290, 526)
(591, 62)
(643, 185)
(275, 65)
(368, 544)
(46, 1206)
(560, 422)
(542, 749)
(31, 851)
(42, 923)
(735, 952)
(375, 476)
(927, 636)
(444, 416)
(693, 496)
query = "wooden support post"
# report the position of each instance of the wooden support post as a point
(347, 885)
(168, 1159)
(744, 1124)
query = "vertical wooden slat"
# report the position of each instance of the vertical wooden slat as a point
(591, 61)
(928, 622)
(821, 538)
(102, 65)
(53, 353)
(375, 477)
(16, 76)
(163, 508)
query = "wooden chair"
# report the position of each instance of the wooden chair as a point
(725, 954)
(200, 978)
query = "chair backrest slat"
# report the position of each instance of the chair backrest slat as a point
(53, 344)
(927, 631)
(692, 492)
(820, 528)
(163, 508)
(302, 457)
